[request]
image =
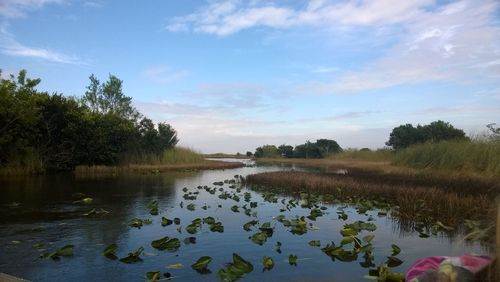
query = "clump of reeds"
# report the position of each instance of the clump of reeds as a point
(178, 155)
(470, 157)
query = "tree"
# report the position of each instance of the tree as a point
(108, 98)
(495, 132)
(328, 146)
(249, 154)
(308, 150)
(266, 151)
(285, 151)
(406, 135)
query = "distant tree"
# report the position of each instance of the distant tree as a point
(308, 150)
(406, 135)
(327, 146)
(365, 150)
(266, 151)
(285, 151)
(249, 154)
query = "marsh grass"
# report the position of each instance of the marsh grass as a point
(412, 202)
(177, 159)
(469, 157)
(27, 163)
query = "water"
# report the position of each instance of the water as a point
(47, 215)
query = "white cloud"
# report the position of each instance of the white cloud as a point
(164, 75)
(18, 8)
(11, 47)
(227, 17)
(459, 42)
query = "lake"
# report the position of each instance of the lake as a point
(39, 214)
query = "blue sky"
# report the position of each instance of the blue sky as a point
(233, 75)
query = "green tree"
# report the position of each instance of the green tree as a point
(108, 98)
(285, 151)
(406, 135)
(266, 151)
(328, 146)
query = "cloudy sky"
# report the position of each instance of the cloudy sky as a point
(233, 75)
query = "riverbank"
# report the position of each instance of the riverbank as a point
(155, 168)
(386, 173)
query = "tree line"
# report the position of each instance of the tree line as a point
(57, 132)
(316, 150)
(401, 137)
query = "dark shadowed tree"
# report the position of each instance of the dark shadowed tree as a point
(327, 146)
(285, 151)
(406, 135)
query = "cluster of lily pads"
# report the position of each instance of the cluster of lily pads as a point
(352, 245)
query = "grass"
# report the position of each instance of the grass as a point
(413, 202)
(355, 154)
(468, 157)
(25, 164)
(173, 156)
(171, 160)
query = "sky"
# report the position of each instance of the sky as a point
(230, 76)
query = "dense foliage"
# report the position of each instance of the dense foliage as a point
(406, 135)
(319, 149)
(43, 131)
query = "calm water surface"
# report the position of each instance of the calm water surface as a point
(47, 215)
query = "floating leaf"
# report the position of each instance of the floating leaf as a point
(166, 243)
(249, 224)
(191, 207)
(395, 250)
(110, 251)
(153, 276)
(393, 261)
(235, 208)
(267, 263)
(201, 265)
(136, 222)
(133, 257)
(277, 247)
(348, 232)
(292, 260)
(175, 266)
(237, 269)
(165, 221)
(315, 243)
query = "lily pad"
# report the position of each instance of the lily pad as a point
(166, 243)
(201, 265)
(395, 250)
(292, 260)
(267, 263)
(235, 270)
(315, 243)
(133, 257)
(110, 251)
(153, 275)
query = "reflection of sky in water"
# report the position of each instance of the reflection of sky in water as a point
(46, 201)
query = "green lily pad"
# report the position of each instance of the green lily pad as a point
(267, 263)
(201, 265)
(110, 251)
(133, 257)
(191, 207)
(393, 261)
(165, 221)
(395, 250)
(235, 270)
(315, 243)
(292, 260)
(166, 243)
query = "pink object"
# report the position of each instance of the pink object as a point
(471, 263)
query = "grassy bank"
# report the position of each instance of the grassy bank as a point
(416, 203)
(171, 160)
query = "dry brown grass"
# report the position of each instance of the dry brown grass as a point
(385, 173)
(437, 202)
(149, 168)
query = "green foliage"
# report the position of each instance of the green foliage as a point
(406, 135)
(266, 151)
(41, 131)
(320, 149)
